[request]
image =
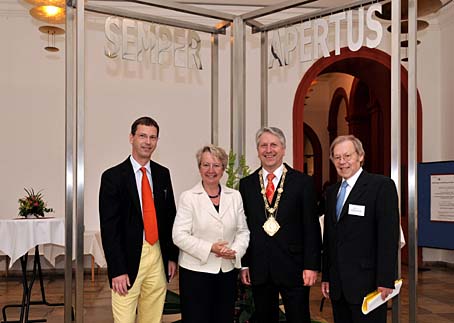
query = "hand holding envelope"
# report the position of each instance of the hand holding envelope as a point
(374, 300)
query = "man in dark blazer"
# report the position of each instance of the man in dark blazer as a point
(284, 250)
(138, 269)
(360, 242)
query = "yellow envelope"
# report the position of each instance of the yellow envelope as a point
(373, 300)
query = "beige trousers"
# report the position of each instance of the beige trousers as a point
(148, 293)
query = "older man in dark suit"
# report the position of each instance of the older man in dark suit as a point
(283, 256)
(361, 235)
(137, 211)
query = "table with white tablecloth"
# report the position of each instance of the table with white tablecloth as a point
(20, 235)
(48, 234)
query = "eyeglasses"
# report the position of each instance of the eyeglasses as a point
(208, 166)
(143, 136)
(345, 157)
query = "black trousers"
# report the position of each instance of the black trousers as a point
(207, 298)
(295, 299)
(343, 312)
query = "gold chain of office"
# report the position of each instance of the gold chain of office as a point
(271, 226)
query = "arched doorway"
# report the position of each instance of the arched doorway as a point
(316, 157)
(372, 71)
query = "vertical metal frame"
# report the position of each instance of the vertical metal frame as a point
(264, 79)
(214, 89)
(412, 158)
(80, 157)
(69, 156)
(396, 123)
(75, 123)
(238, 87)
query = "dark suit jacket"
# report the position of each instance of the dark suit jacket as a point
(360, 252)
(297, 244)
(121, 218)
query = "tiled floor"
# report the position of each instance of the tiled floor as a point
(435, 299)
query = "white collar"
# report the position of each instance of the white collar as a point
(352, 180)
(277, 172)
(136, 166)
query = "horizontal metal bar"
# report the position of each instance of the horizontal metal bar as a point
(274, 8)
(254, 23)
(312, 15)
(180, 7)
(155, 19)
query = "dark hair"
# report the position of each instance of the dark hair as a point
(145, 121)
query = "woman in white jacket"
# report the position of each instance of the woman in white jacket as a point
(211, 231)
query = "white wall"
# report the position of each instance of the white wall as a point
(32, 119)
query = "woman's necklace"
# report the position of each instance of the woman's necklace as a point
(217, 195)
(271, 226)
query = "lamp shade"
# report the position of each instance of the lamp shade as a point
(55, 3)
(420, 25)
(49, 14)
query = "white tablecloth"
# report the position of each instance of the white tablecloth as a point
(92, 246)
(18, 236)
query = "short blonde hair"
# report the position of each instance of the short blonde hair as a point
(216, 151)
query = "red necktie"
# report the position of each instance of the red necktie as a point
(270, 187)
(150, 223)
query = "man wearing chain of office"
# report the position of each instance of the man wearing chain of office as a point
(283, 256)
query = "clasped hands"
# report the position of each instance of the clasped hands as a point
(220, 249)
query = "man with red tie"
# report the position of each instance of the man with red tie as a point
(283, 256)
(137, 211)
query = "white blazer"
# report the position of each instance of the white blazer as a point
(198, 225)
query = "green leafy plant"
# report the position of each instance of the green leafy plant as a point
(33, 204)
(234, 172)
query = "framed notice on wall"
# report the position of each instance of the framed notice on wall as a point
(442, 197)
(436, 205)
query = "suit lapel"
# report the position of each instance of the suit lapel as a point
(205, 201)
(225, 202)
(258, 193)
(159, 190)
(131, 185)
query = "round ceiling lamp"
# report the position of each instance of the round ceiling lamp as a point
(421, 25)
(425, 7)
(49, 14)
(51, 31)
(55, 3)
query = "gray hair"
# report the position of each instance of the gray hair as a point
(216, 151)
(355, 141)
(272, 130)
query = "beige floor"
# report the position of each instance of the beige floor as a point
(435, 299)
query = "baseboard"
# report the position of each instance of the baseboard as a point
(438, 264)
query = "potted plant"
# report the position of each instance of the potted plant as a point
(33, 204)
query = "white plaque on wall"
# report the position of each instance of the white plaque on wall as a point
(442, 197)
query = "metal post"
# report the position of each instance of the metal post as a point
(238, 85)
(412, 157)
(80, 156)
(396, 125)
(214, 89)
(264, 79)
(69, 156)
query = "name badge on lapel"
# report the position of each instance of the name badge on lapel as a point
(358, 210)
